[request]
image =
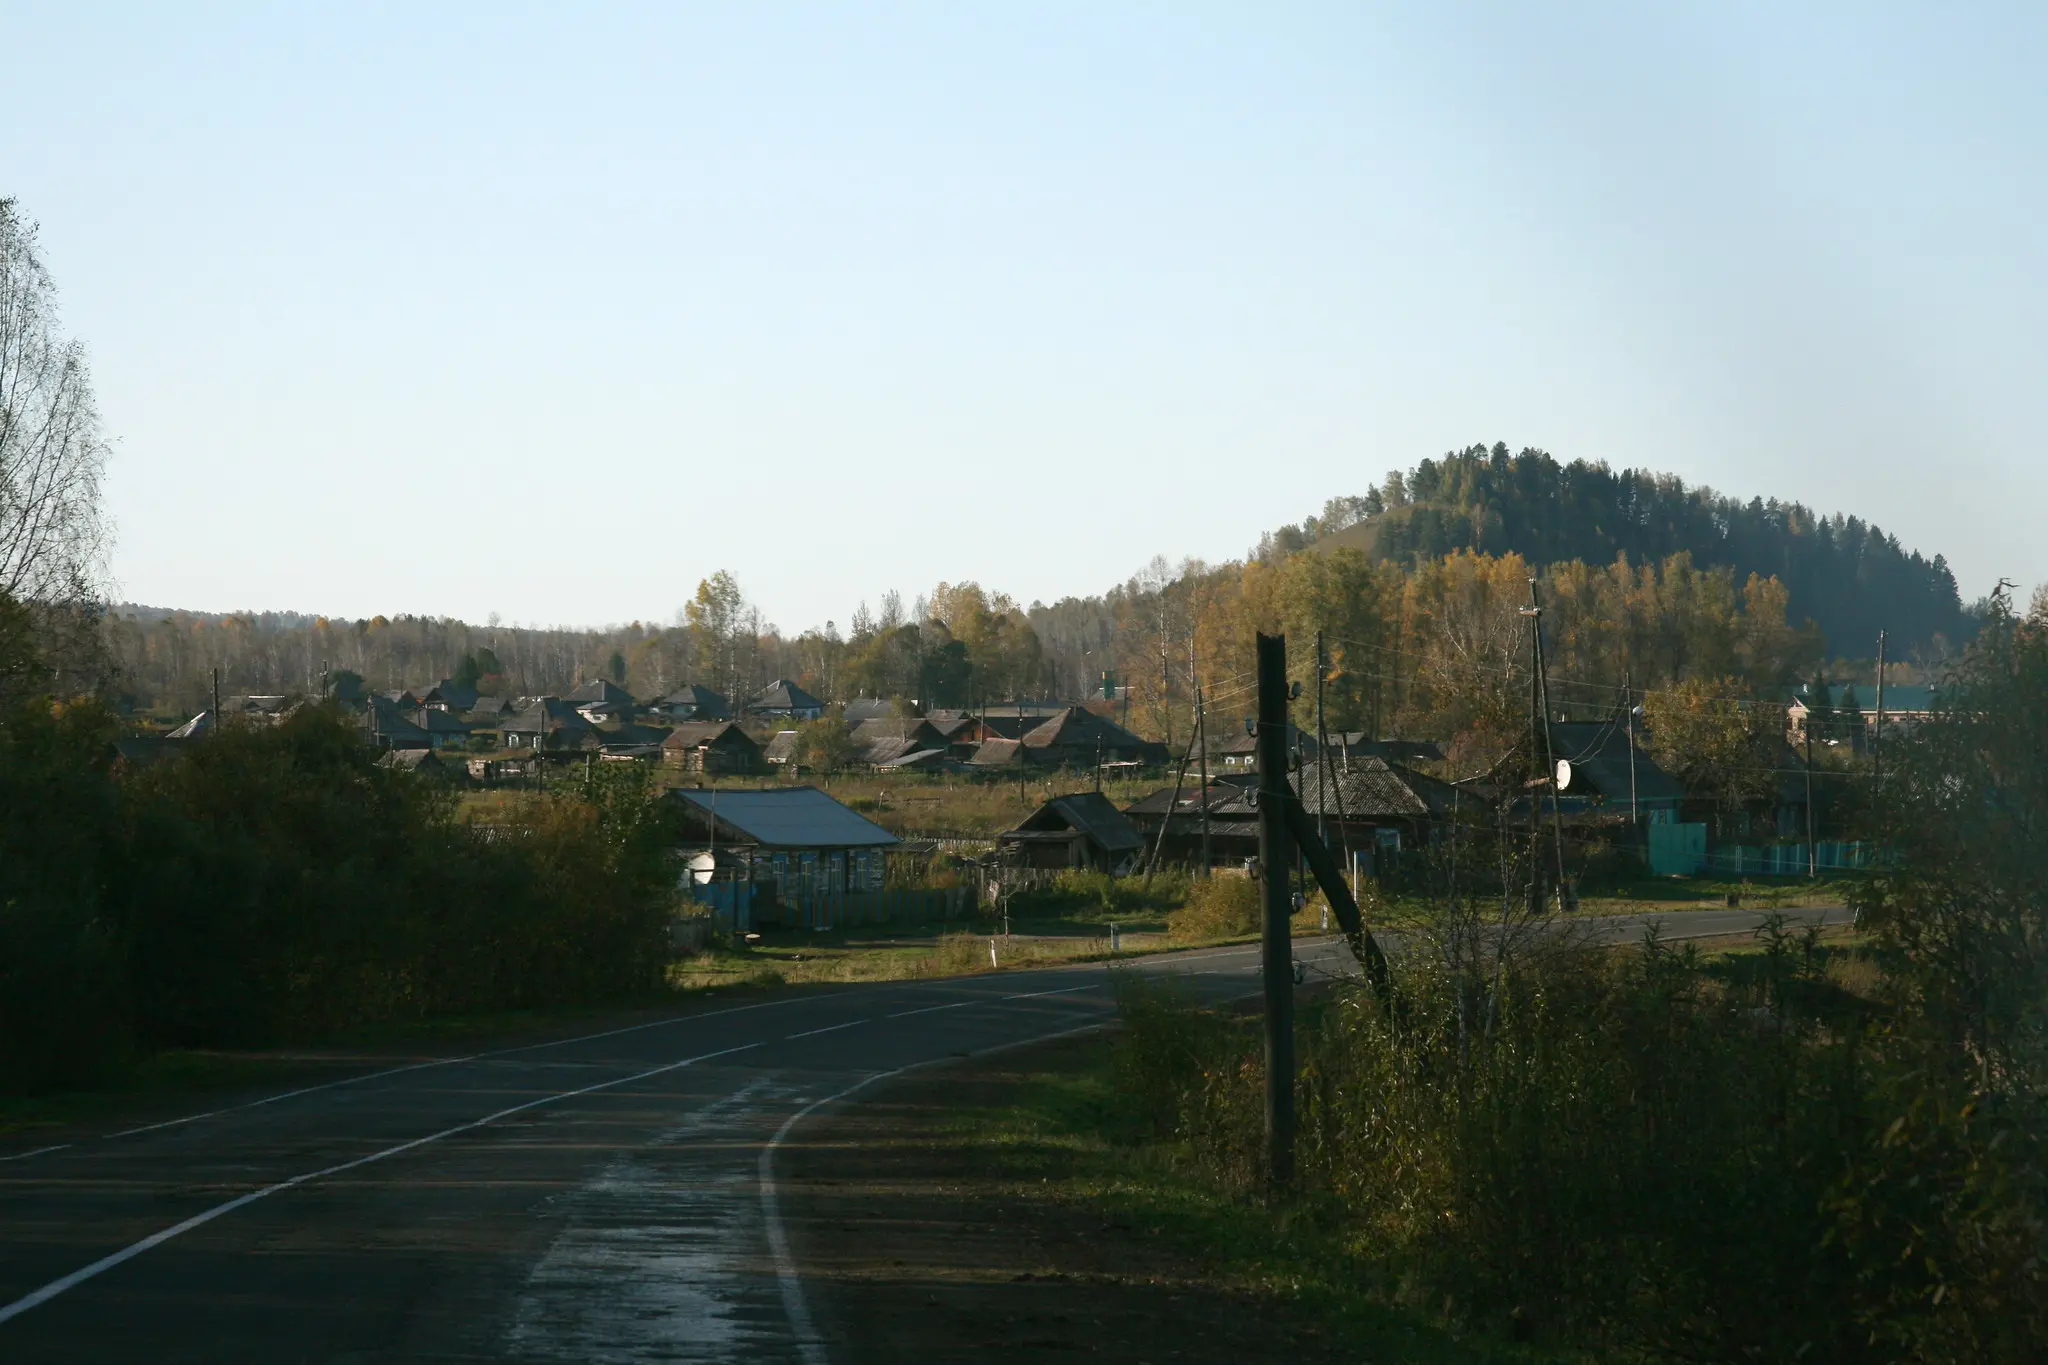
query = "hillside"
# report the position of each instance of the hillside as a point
(1849, 577)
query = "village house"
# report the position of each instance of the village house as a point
(600, 700)
(538, 718)
(691, 701)
(1084, 830)
(1234, 747)
(387, 724)
(444, 731)
(449, 695)
(787, 851)
(900, 742)
(710, 746)
(1373, 809)
(1611, 772)
(784, 699)
(1072, 738)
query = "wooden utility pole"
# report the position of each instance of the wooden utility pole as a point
(1877, 723)
(1812, 854)
(1539, 697)
(1202, 738)
(216, 701)
(1179, 776)
(1276, 949)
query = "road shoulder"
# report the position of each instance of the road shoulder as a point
(978, 1211)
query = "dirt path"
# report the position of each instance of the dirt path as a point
(923, 1237)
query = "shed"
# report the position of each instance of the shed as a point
(421, 761)
(781, 748)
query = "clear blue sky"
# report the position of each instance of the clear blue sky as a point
(551, 311)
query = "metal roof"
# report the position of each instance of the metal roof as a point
(601, 689)
(785, 817)
(785, 695)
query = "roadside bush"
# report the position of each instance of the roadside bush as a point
(1219, 906)
(61, 970)
(1081, 892)
(1620, 1149)
(276, 883)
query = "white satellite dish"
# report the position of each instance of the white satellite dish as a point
(1564, 773)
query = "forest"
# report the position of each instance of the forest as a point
(1849, 577)
(1415, 584)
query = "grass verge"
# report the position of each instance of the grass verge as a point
(1009, 1212)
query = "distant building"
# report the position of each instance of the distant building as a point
(1073, 737)
(389, 725)
(420, 761)
(449, 695)
(711, 746)
(691, 702)
(537, 719)
(785, 699)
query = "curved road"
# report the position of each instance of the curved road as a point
(608, 1197)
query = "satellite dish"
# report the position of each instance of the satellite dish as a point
(1564, 773)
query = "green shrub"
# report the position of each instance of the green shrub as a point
(1219, 906)
(1619, 1149)
(275, 883)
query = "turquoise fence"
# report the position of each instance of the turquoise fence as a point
(1787, 860)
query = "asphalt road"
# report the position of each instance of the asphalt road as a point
(608, 1197)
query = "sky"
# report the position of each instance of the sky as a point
(550, 311)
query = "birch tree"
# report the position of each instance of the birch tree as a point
(53, 536)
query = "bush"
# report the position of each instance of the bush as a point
(1219, 906)
(276, 883)
(1081, 892)
(1607, 1146)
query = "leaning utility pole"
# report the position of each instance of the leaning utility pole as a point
(1322, 749)
(1276, 949)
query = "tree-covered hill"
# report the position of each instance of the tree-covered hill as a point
(1849, 577)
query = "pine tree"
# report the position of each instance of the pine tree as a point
(1820, 709)
(1849, 718)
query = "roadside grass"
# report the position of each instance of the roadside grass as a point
(912, 953)
(1068, 1137)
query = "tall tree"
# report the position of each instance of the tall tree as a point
(53, 535)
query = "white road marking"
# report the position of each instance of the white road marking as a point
(1198, 955)
(829, 1028)
(423, 1066)
(155, 1239)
